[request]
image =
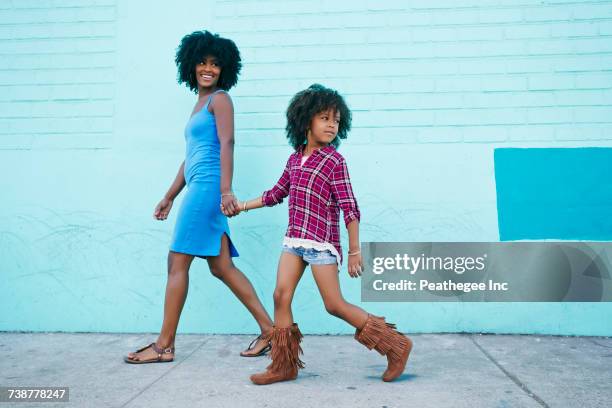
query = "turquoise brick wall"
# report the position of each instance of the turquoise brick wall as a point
(551, 193)
(91, 124)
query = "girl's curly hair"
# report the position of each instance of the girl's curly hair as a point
(306, 104)
(199, 44)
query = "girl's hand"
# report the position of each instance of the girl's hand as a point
(355, 265)
(162, 209)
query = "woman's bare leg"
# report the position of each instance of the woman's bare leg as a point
(176, 293)
(223, 268)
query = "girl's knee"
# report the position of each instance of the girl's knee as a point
(281, 297)
(335, 308)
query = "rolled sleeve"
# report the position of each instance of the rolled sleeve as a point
(343, 192)
(277, 193)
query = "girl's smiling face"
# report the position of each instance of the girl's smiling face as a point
(324, 127)
(207, 72)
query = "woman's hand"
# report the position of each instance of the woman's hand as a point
(229, 205)
(162, 209)
(239, 207)
(355, 265)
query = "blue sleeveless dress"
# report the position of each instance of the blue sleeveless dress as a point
(201, 224)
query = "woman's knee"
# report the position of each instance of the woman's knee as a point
(221, 265)
(219, 271)
(178, 264)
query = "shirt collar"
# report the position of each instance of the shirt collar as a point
(323, 150)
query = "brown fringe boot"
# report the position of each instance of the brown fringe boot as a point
(285, 356)
(383, 337)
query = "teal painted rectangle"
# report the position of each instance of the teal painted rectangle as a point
(554, 193)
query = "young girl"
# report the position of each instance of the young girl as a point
(317, 182)
(209, 65)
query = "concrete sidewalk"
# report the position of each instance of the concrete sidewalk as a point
(445, 370)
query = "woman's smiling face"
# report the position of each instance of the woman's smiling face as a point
(207, 72)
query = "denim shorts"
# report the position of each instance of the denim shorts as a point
(312, 256)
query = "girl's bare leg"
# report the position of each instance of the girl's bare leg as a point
(290, 270)
(223, 268)
(397, 346)
(285, 338)
(326, 277)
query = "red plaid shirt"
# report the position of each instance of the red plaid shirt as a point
(317, 191)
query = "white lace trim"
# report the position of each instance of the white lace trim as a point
(309, 243)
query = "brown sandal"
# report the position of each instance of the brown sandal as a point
(263, 351)
(160, 352)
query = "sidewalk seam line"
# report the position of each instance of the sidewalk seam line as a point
(511, 376)
(163, 374)
(598, 344)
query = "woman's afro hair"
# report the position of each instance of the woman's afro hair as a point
(306, 104)
(195, 47)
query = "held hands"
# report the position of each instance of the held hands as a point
(230, 205)
(355, 264)
(162, 209)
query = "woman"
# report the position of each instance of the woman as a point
(209, 65)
